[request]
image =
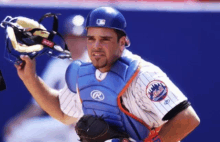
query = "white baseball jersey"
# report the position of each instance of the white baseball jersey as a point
(150, 96)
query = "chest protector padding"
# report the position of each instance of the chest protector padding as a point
(100, 97)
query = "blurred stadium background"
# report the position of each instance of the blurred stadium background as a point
(182, 37)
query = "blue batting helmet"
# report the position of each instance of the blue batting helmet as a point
(107, 17)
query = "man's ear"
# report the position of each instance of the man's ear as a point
(122, 43)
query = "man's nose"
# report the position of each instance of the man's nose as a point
(97, 45)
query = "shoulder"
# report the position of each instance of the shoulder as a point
(148, 74)
(75, 65)
(153, 82)
(145, 66)
(150, 71)
(72, 73)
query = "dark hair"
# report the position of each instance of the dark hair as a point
(119, 34)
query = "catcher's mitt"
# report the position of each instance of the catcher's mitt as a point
(94, 129)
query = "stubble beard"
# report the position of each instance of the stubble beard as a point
(99, 64)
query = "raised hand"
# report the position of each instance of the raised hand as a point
(27, 69)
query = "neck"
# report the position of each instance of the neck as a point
(108, 67)
(105, 69)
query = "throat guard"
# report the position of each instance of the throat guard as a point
(26, 36)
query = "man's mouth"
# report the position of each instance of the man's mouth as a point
(98, 54)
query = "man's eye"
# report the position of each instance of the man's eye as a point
(105, 39)
(90, 39)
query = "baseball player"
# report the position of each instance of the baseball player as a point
(117, 95)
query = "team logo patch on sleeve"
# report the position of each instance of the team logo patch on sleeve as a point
(156, 90)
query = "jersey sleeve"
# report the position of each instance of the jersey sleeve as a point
(70, 103)
(155, 93)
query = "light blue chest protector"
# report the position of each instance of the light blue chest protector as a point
(102, 97)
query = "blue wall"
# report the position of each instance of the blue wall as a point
(184, 45)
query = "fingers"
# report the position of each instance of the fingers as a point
(26, 68)
(17, 66)
(20, 66)
(25, 61)
(25, 58)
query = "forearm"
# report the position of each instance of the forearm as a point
(180, 126)
(45, 96)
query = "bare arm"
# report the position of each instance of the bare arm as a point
(180, 126)
(45, 96)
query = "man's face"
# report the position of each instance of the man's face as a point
(103, 47)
